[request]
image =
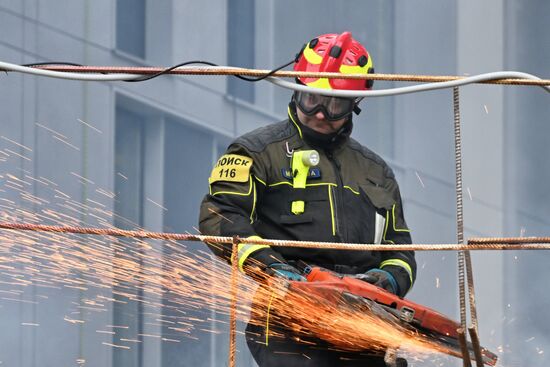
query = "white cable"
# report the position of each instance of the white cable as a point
(404, 90)
(65, 75)
(289, 85)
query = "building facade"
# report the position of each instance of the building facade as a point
(152, 145)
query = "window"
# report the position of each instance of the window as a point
(166, 159)
(129, 147)
(240, 45)
(130, 27)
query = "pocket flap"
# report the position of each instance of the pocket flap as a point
(378, 196)
(296, 219)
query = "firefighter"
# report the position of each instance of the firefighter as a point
(305, 178)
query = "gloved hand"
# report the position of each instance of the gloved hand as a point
(380, 278)
(285, 271)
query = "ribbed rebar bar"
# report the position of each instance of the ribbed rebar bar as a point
(460, 222)
(234, 293)
(528, 243)
(464, 258)
(204, 70)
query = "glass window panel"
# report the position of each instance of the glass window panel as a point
(128, 210)
(240, 45)
(130, 27)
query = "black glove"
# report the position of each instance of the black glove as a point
(380, 278)
(285, 271)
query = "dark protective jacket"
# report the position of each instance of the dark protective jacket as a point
(350, 196)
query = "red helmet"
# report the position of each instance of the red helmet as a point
(337, 53)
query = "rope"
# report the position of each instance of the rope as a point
(530, 243)
(282, 74)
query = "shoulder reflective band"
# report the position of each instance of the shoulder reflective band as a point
(246, 249)
(400, 263)
(301, 161)
(231, 167)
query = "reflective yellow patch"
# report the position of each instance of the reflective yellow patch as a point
(231, 167)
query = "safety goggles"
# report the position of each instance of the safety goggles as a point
(334, 108)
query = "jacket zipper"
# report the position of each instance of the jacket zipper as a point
(338, 198)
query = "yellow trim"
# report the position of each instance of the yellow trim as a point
(354, 69)
(307, 185)
(294, 122)
(386, 227)
(311, 56)
(267, 320)
(352, 190)
(331, 210)
(400, 263)
(246, 249)
(397, 229)
(280, 183)
(233, 192)
(262, 182)
(321, 83)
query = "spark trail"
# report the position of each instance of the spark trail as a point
(175, 284)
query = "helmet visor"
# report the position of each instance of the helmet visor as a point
(334, 108)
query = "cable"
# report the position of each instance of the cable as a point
(410, 89)
(171, 68)
(64, 75)
(288, 85)
(51, 63)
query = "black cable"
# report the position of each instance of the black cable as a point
(51, 63)
(257, 79)
(167, 70)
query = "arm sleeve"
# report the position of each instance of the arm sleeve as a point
(401, 264)
(230, 206)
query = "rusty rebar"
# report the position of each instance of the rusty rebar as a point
(531, 243)
(234, 294)
(204, 70)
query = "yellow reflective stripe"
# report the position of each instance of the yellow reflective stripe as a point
(311, 56)
(400, 263)
(386, 228)
(280, 183)
(355, 69)
(352, 190)
(294, 122)
(262, 182)
(307, 185)
(322, 184)
(397, 229)
(321, 83)
(331, 211)
(246, 249)
(233, 192)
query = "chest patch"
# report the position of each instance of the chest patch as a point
(314, 173)
(231, 167)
